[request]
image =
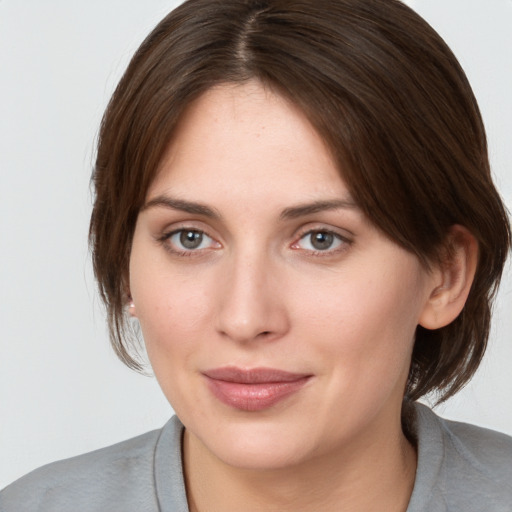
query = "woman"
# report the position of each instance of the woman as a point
(295, 202)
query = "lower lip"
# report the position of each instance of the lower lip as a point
(254, 397)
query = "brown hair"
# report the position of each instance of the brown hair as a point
(390, 100)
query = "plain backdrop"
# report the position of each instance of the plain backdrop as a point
(62, 391)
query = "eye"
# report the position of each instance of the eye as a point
(320, 241)
(188, 240)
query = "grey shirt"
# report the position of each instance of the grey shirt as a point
(460, 468)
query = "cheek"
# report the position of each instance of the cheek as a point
(171, 312)
(171, 306)
(173, 317)
(365, 319)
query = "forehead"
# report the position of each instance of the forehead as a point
(249, 141)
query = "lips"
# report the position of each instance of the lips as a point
(255, 389)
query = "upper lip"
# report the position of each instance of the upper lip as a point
(253, 375)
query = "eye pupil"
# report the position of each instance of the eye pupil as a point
(191, 239)
(321, 240)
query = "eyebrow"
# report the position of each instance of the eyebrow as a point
(292, 212)
(182, 205)
(317, 206)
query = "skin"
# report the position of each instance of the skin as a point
(257, 292)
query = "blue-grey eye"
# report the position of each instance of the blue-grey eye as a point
(320, 241)
(190, 239)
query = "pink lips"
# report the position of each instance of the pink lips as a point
(255, 389)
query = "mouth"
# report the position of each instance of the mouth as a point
(254, 389)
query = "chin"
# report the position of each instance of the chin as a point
(256, 445)
(263, 455)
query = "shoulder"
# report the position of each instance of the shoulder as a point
(121, 475)
(467, 467)
(486, 451)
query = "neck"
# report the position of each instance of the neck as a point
(376, 472)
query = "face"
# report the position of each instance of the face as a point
(278, 320)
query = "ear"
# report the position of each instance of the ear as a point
(452, 279)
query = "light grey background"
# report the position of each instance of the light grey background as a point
(62, 391)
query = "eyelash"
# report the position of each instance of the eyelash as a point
(166, 241)
(343, 242)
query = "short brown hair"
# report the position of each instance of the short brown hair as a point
(384, 91)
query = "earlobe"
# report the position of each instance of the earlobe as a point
(131, 306)
(453, 279)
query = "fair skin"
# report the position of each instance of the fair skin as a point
(251, 254)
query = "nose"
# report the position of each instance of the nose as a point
(252, 304)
